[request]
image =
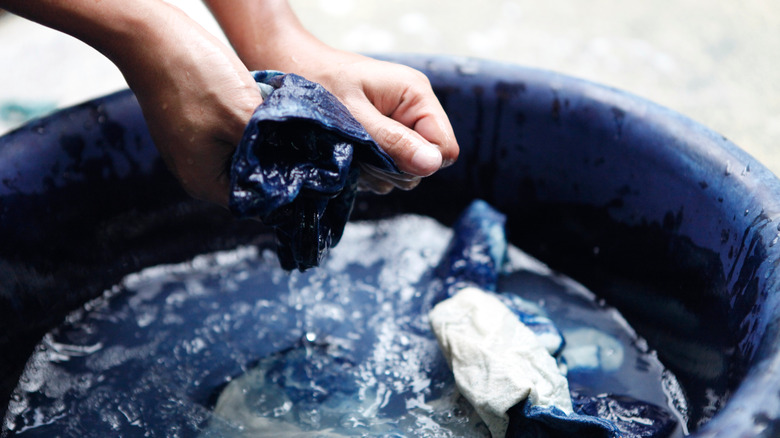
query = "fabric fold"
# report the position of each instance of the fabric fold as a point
(297, 166)
(502, 351)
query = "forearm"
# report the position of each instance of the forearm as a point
(195, 94)
(394, 103)
(266, 34)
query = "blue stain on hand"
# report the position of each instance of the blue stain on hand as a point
(296, 167)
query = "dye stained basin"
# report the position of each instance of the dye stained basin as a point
(660, 216)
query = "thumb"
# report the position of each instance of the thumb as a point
(411, 152)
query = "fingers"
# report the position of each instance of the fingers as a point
(404, 116)
(368, 182)
(410, 151)
(382, 182)
(420, 110)
(437, 130)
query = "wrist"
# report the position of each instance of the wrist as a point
(147, 40)
(266, 34)
(158, 49)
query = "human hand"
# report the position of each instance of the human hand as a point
(196, 97)
(394, 103)
(195, 93)
(397, 107)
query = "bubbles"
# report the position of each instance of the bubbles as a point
(230, 345)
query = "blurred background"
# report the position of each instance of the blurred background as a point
(715, 61)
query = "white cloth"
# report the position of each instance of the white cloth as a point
(497, 361)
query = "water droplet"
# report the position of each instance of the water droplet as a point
(727, 172)
(310, 417)
(283, 409)
(351, 421)
(774, 241)
(310, 336)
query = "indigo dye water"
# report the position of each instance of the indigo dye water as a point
(229, 344)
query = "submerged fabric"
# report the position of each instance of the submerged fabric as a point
(497, 361)
(634, 418)
(474, 257)
(477, 250)
(488, 358)
(296, 168)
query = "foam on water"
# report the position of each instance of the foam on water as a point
(229, 344)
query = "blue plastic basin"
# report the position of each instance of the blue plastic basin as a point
(660, 216)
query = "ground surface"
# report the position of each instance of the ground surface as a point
(713, 60)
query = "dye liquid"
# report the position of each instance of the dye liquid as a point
(231, 345)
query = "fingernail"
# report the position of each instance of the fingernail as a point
(426, 159)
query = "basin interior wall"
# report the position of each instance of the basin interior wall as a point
(661, 217)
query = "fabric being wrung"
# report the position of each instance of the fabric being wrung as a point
(296, 167)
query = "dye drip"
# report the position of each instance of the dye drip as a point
(229, 343)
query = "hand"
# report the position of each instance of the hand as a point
(397, 107)
(196, 95)
(197, 98)
(394, 103)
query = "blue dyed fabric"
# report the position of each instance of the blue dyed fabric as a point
(475, 257)
(595, 417)
(476, 252)
(634, 418)
(296, 168)
(528, 421)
